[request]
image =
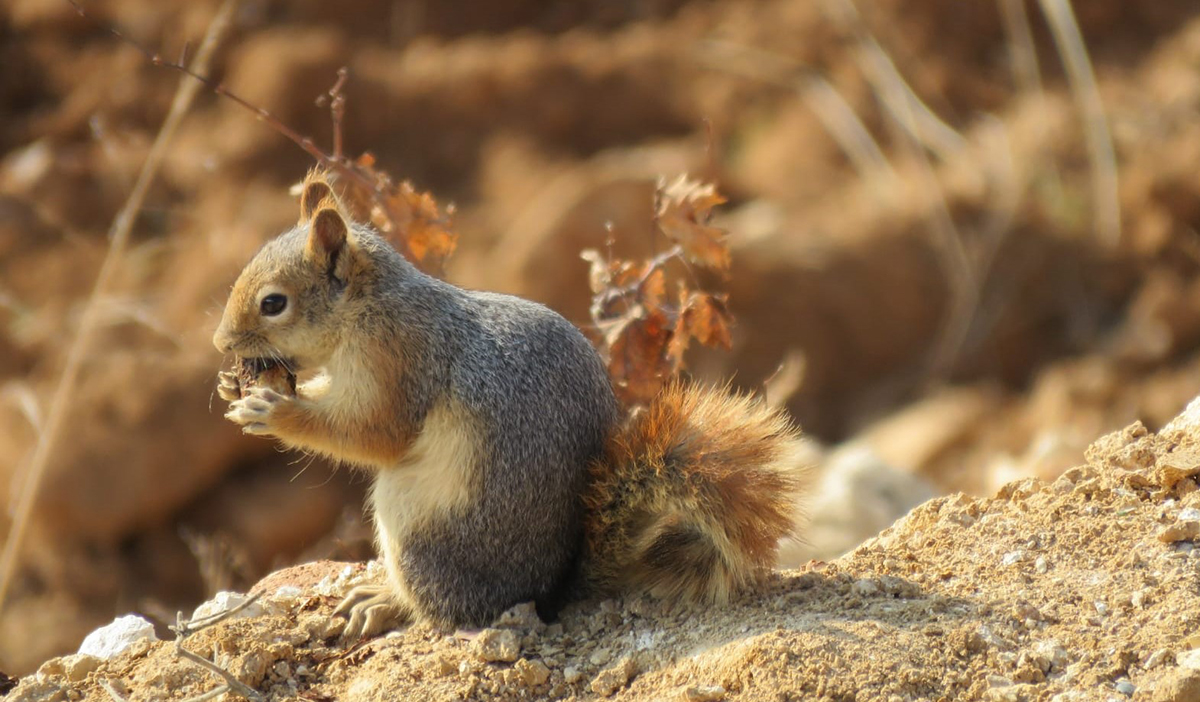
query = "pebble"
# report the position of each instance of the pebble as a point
(1040, 565)
(1054, 655)
(1157, 658)
(532, 673)
(704, 693)
(608, 681)
(1180, 531)
(865, 587)
(494, 645)
(110, 640)
(572, 674)
(521, 616)
(1178, 685)
(225, 601)
(1126, 688)
(1189, 659)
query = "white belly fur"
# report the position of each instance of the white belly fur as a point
(434, 478)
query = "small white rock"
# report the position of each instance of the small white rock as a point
(866, 587)
(497, 645)
(1189, 514)
(1189, 659)
(287, 592)
(572, 674)
(223, 602)
(110, 640)
(1040, 565)
(1126, 688)
(1156, 659)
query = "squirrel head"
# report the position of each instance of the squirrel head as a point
(287, 302)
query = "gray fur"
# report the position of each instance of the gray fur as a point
(542, 396)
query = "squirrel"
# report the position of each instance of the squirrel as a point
(503, 471)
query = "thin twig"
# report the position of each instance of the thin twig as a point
(1028, 80)
(897, 96)
(918, 127)
(1022, 52)
(210, 695)
(336, 162)
(1105, 193)
(828, 105)
(187, 627)
(234, 684)
(89, 321)
(337, 109)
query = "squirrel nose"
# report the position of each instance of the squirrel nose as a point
(222, 340)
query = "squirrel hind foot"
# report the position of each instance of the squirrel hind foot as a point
(372, 610)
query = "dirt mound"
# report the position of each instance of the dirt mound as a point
(1080, 588)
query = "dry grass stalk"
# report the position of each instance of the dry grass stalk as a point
(828, 105)
(1105, 191)
(92, 313)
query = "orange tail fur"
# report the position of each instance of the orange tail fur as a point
(692, 496)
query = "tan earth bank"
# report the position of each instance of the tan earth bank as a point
(1084, 588)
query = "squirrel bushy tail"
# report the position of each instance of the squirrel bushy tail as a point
(692, 496)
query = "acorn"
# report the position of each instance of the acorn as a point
(264, 372)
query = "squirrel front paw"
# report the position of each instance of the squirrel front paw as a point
(256, 410)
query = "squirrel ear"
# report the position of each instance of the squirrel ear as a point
(314, 192)
(327, 236)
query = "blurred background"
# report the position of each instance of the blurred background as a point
(959, 254)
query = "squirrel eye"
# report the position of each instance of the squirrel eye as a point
(273, 304)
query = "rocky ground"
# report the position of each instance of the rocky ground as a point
(1084, 588)
(547, 125)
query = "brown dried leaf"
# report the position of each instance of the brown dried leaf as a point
(653, 289)
(708, 320)
(635, 356)
(683, 209)
(426, 229)
(411, 219)
(703, 317)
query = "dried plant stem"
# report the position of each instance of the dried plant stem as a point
(1105, 194)
(895, 94)
(335, 162)
(92, 312)
(185, 627)
(828, 105)
(1022, 51)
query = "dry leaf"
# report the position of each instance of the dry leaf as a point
(683, 209)
(635, 357)
(411, 220)
(643, 334)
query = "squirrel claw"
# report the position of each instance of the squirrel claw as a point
(228, 386)
(372, 610)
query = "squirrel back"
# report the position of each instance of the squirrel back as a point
(502, 472)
